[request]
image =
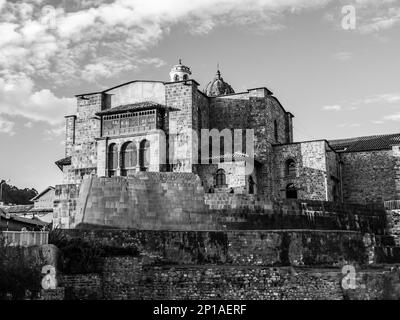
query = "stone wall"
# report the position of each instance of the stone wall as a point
(251, 212)
(125, 278)
(177, 201)
(81, 286)
(180, 118)
(314, 168)
(393, 219)
(261, 112)
(137, 91)
(69, 134)
(241, 247)
(370, 176)
(228, 265)
(81, 131)
(218, 282)
(235, 174)
(65, 205)
(145, 200)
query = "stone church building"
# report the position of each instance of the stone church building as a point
(158, 126)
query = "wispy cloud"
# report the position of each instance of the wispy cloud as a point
(342, 56)
(372, 16)
(386, 97)
(18, 97)
(334, 107)
(55, 133)
(349, 125)
(392, 117)
(6, 126)
(376, 99)
(384, 18)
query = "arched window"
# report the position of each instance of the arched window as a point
(251, 185)
(128, 158)
(221, 149)
(112, 159)
(220, 178)
(144, 155)
(291, 191)
(276, 130)
(185, 77)
(176, 77)
(290, 168)
(210, 148)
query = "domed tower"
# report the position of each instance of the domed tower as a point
(218, 87)
(179, 72)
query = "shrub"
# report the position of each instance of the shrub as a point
(19, 273)
(80, 256)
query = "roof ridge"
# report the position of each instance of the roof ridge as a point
(137, 103)
(367, 143)
(365, 137)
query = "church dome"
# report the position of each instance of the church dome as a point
(179, 72)
(218, 87)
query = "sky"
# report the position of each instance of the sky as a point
(334, 64)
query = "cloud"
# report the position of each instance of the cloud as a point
(386, 97)
(334, 107)
(372, 16)
(393, 117)
(105, 68)
(349, 125)
(74, 41)
(92, 40)
(77, 41)
(6, 126)
(83, 35)
(55, 133)
(18, 97)
(376, 16)
(383, 98)
(342, 56)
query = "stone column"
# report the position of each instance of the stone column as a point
(118, 171)
(102, 157)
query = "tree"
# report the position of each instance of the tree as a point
(13, 195)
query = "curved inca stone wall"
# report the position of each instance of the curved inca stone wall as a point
(147, 200)
(176, 201)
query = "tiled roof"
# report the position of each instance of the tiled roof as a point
(131, 107)
(63, 162)
(42, 193)
(35, 221)
(17, 209)
(378, 142)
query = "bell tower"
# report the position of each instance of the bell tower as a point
(179, 72)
